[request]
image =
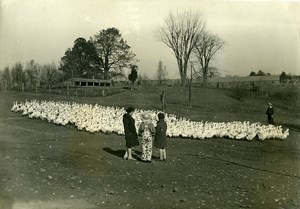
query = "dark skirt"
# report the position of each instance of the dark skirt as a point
(160, 143)
(132, 142)
(160, 140)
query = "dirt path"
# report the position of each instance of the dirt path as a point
(48, 166)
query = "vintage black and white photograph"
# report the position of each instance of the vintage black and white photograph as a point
(155, 104)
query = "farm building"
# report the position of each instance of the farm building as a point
(84, 82)
(229, 82)
(223, 82)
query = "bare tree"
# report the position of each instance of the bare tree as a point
(143, 79)
(161, 73)
(213, 72)
(32, 73)
(49, 75)
(180, 33)
(6, 78)
(207, 46)
(118, 75)
(193, 74)
(18, 75)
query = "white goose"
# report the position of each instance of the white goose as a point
(95, 118)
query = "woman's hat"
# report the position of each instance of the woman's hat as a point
(146, 116)
(129, 109)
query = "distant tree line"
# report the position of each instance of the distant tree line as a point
(259, 73)
(104, 56)
(30, 75)
(283, 77)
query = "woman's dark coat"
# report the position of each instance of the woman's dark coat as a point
(131, 136)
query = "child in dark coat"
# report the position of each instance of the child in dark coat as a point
(160, 140)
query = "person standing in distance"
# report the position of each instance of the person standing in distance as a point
(131, 135)
(270, 113)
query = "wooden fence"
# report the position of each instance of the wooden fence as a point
(68, 90)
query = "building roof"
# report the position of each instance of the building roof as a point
(87, 80)
(243, 79)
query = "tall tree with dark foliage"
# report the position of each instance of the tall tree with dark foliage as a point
(81, 60)
(133, 74)
(112, 50)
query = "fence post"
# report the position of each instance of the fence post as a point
(22, 87)
(5, 86)
(68, 90)
(36, 89)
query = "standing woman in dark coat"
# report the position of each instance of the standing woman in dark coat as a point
(131, 136)
(160, 140)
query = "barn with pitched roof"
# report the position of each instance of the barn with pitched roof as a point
(248, 81)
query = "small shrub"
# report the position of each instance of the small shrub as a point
(287, 93)
(255, 88)
(126, 87)
(239, 92)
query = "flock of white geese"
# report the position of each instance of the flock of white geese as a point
(96, 118)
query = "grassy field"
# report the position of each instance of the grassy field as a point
(207, 104)
(48, 166)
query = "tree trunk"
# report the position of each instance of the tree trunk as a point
(181, 71)
(106, 75)
(131, 86)
(205, 70)
(190, 94)
(183, 78)
(106, 68)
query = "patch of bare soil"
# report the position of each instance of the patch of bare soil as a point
(48, 166)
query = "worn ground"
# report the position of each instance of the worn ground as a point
(45, 166)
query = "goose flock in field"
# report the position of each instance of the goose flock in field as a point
(96, 118)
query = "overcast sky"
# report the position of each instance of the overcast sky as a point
(258, 34)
